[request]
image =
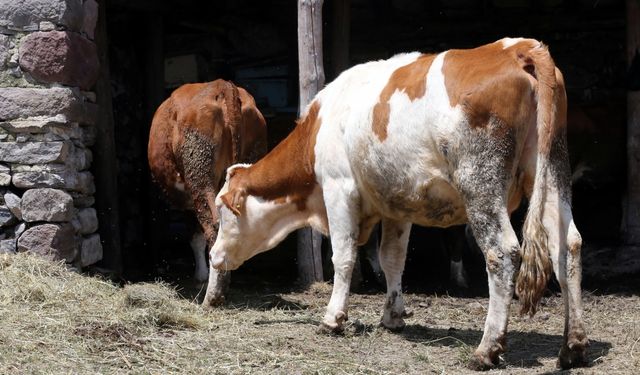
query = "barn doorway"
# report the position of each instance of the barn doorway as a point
(156, 46)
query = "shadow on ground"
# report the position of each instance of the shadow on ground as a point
(524, 349)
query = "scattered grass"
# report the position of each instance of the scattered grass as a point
(56, 321)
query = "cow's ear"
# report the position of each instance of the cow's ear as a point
(234, 200)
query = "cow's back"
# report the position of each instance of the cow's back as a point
(403, 127)
(199, 131)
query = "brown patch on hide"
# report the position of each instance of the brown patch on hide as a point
(492, 82)
(287, 172)
(412, 80)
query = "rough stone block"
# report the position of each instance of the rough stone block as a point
(82, 201)
(51, 167)
(46, 205)
(60, 56)
(5, 175)
(19, 229)
(13, 203)
(69, 179)
(19, 102)
(90, 250)
(8, 246)
(52, 241)
(34, 152)
(34, 125)
(90, 10)
(27, 14)
(46, 26)
(6, 217)
(88, 219)
(5, 46)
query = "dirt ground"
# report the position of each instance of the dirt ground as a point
(54, 321)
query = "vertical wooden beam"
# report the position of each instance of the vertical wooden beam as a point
(631, 219)
(104, 156)
(311, 77)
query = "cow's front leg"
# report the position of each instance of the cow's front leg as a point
(500, 246)
(342, 213)
(392, 253)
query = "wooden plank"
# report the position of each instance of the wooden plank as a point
(631, 204)
(104, 157)
(309, 252)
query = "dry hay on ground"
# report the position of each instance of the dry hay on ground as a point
(56, 321)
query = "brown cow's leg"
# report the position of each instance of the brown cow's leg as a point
(219, 281)
(392, 253)
(199, 246)
(217, 287)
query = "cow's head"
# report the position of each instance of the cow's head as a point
(249, 224)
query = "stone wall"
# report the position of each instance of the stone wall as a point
(48, 66)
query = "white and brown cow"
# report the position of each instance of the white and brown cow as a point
(438, 140)
(200, 130)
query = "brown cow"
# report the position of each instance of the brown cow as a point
(195, 135)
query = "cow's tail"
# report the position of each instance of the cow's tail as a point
(233, 116)
(536, 266)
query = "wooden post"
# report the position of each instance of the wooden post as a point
(311, 76)
(104, 156)
(631, 219)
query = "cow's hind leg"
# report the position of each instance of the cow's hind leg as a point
(199, 246)
(564, 248)
(197, 155)
(392, 253)
(564, 243)
(484, 175)
(500, 246)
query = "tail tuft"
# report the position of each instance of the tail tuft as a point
(536, 267)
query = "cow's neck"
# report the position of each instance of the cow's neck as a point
(286, 174)
(279, 218)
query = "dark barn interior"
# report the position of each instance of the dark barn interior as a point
(154, 46)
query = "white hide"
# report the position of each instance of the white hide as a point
(408, 160)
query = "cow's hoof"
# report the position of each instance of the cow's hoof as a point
(394, 322)
(482, 362)
(333, 324)
(573, 355)
(394, 325)
(212, 301)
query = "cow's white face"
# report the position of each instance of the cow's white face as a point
(249, 225)
(236, 240)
